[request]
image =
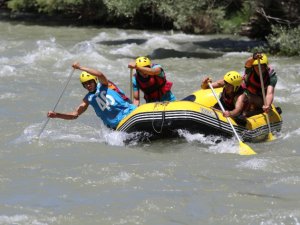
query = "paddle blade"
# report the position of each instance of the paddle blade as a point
(246, 149)
(271, 137)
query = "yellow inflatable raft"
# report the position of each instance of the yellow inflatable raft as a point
(196, 114)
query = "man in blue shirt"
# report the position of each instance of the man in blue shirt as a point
(109, 102)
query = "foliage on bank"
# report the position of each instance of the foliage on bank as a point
(284, 41)
(252, 18)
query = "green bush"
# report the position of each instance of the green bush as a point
(284, 41)
(235, 18)
(193, 16)
(89, 10)
(127, 8)
(21, 5)
(231, 25)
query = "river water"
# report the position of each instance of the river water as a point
(80, 172)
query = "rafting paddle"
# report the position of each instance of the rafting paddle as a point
(45, 124)
(131, 91)
(270, 135)
(244, 148)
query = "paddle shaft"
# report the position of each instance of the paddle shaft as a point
(263, 92)
(131, 91)
(223, 110)
(68, 81)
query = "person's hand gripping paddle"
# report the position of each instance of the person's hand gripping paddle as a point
(244, 148)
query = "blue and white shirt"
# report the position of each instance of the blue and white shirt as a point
(109, 105)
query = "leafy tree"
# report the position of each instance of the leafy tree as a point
(285, 41)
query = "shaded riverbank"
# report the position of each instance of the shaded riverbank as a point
(250, 18)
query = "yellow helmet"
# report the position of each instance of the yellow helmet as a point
(142, 61)
(85, 76)
(233, 78)
(263, 60)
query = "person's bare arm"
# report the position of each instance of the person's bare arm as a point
(149, 71)
(70, 115)
(136, 98)
(250, 60)
(102, 78)
(269, 98)
(145, 70)
(216, 84)
(239, 106)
